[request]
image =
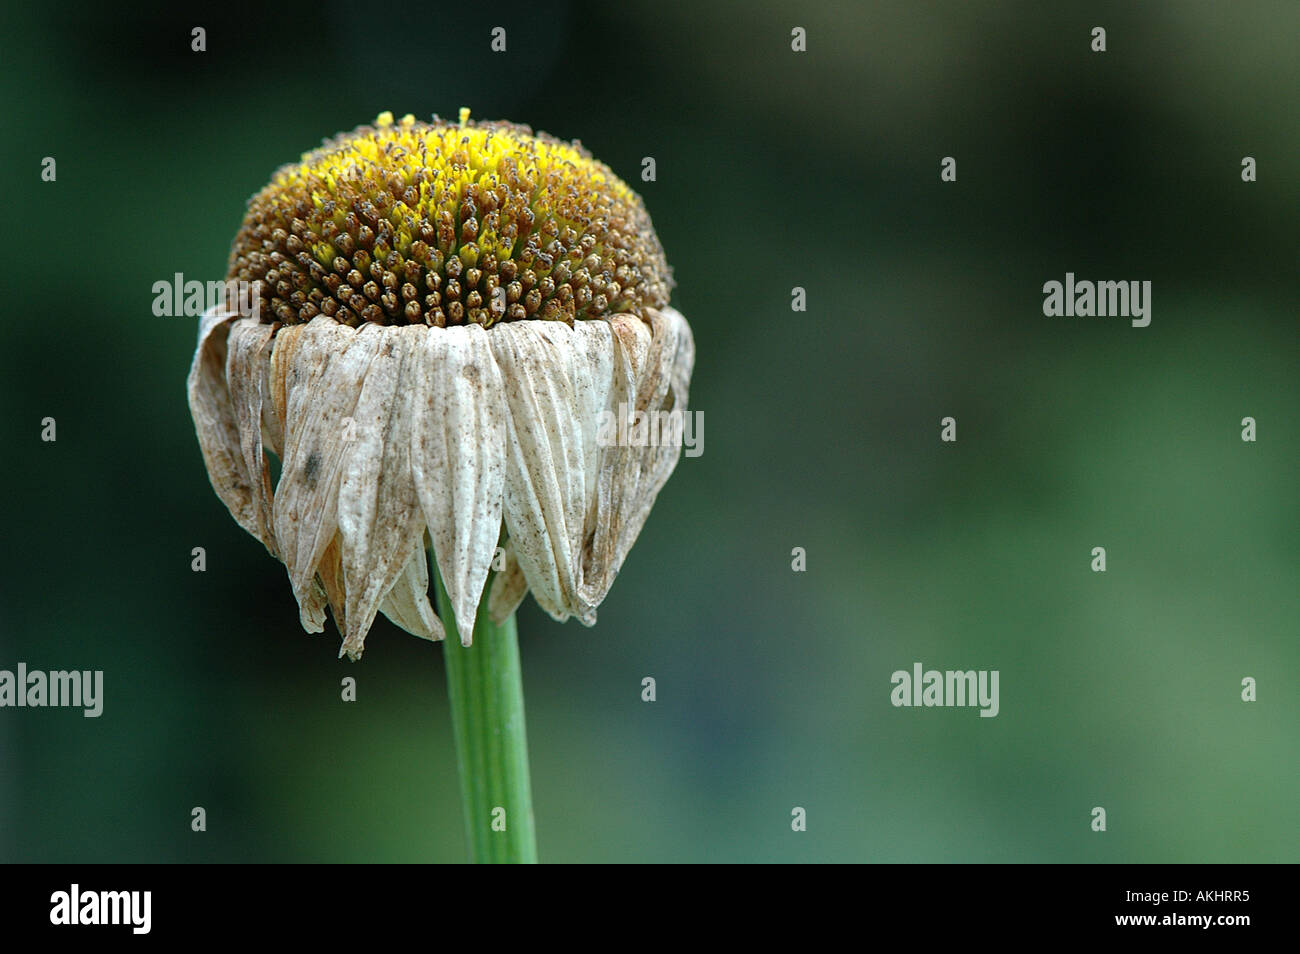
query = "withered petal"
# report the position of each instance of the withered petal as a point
(458, 437)
(653, 363)
(247, 347)
(379, 518)
(329, 581)
(555, 386)
(509, 587)
(320, 374)
(217, 425)
(387, 429)
(407, 603)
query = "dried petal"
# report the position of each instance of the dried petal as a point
(379, 519)
(457, 458)
(509, 587)
(556, 386)
(407, 603)
(653, 365)
(329, 582)
(247, 348)
(320, 374)
(216, 422)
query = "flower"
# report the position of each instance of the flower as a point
(445, 313)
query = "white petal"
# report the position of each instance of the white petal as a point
(664, 388)
(653, 362)
(329, 582)
(379, 517)
(555, 383)
(458, 459)
(272, 423)
(247, 361)
(316, 380)
(311, 611)
(407, 603)
(216, 423)
(684, 360)
(326, 590)
(509, 587)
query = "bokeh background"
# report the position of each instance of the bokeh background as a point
(775, 169)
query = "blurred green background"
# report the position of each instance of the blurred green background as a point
(775, 169)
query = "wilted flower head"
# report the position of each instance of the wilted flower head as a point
(445, 312)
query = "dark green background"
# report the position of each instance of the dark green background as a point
(822, 431)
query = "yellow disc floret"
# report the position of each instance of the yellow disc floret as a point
(448, 223)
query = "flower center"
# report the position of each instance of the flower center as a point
(448, 223)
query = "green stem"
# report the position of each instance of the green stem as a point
(486, 690)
